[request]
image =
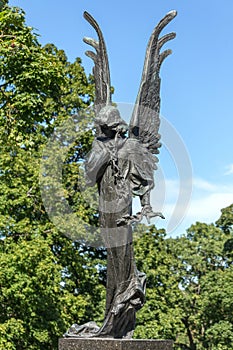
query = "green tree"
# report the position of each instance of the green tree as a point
(160, 316)
(46, 279)
(205, 272)
(225, 222)
(30, 291)
(189, 285)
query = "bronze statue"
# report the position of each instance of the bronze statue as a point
(122, 163)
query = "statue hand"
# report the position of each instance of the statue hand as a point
(148, 212)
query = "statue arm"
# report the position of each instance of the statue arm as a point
(96, 163)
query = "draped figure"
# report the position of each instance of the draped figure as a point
(122, 163)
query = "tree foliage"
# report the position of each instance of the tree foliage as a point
(189, 289)
(160, 316)
(204, 266)
(47, 280)
(29, 313)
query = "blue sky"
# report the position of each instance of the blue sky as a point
(196, 91)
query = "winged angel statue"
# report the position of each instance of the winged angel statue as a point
(122, 163)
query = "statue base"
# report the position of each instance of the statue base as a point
(114, 344)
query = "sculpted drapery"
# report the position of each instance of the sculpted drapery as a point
(122, 162)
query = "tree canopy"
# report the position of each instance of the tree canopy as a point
(47, 280)
(190, 279)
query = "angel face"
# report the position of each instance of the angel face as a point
(110, 122)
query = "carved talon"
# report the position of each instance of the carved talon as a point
(152, 215)
(149, 213)
(130, 219)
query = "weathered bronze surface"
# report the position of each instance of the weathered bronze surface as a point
(122, 162)
(114, 344)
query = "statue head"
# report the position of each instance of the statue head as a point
(110, 121)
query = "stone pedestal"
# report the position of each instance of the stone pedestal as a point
(114, 344)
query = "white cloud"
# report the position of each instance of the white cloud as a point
(204, 185)
(208, 208)
(229, 169)
(205, 204)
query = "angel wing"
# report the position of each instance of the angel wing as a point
(101, 66)
(145, 121)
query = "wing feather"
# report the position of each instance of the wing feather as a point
(101, 68)
(145, 121)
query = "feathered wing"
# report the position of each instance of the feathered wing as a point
(101, 66)
(144, 124)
